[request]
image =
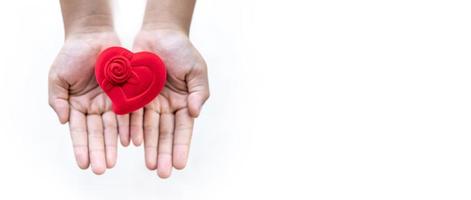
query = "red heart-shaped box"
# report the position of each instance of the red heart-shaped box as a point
(131, 80)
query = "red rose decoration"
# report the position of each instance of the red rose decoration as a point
(131, 80)
(118, 70)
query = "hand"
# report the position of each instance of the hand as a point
(76, 98)
(168, 119)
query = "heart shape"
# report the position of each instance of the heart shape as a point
(131, 80)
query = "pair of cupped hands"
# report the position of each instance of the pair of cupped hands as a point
(164, 126)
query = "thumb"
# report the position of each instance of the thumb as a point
(58, 97)
(198, 87)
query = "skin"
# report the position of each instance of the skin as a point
(165, 125)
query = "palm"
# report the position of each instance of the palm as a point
(78, 69)
(174, 96)
(77, 98)
(168, 119)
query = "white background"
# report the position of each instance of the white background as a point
(329, 99)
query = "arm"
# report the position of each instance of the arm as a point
(169, 119)
(169, 14)
(86, 16)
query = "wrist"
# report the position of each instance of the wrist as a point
(89, 24)
(169, 15)
(166, 27)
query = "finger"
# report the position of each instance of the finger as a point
(123, 129)
(136, 128)
(199, 89)
(196, 102)
(182, 138)
(151, 137)
(58, 97)
(96, 145)
(78, 133)
(111, 138)
(164, 157)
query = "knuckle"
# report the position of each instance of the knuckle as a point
(203, 64)
(136, 126)
(164, 152)
(95, 134)
(207, 95)
(200, 68)
(53, 77)
(110, 126)
(80, 146)
(183, 127)
(95, 149)
(149, 128)
(51, 103)
(182, 144)
(150, 145)
(165, 137)
(77, 131)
